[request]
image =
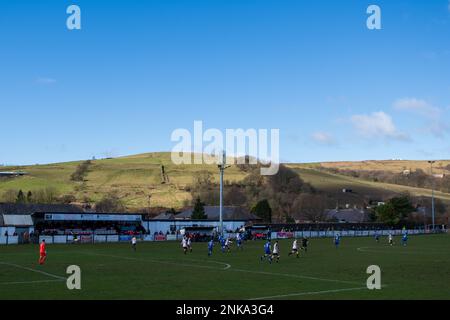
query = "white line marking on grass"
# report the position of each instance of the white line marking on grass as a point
(227, 266)
(310, 293)
(295, 276)
(34, 270)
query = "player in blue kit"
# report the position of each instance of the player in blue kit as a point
(377, 237)
(267, 252)
(337, 240)
(405, 239)
(222, 243)
(210, 247)
(239, 241)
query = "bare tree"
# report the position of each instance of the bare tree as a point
(311, 207)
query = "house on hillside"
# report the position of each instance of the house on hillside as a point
(406, 172)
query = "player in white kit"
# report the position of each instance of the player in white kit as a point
(276, 252)
(294, 249)
(228, 244)
(133, 243)
(184, 245)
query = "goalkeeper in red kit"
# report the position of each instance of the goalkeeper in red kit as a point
(42, 252)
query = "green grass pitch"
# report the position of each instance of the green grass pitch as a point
(161, 271)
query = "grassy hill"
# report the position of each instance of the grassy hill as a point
(397, 166)
(136, 177)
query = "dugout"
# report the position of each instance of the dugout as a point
(199, 233)
(256, 232)
(15, 228)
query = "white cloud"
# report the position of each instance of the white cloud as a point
(377, 125)
(44, 80)
(323, 138)
(432, 114)
(419, 106)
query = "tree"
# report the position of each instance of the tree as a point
(110, 203)
(402, 206)
(263, 210)
(199, 211)
(204, 187)
(288, 181)
(279, 190)
(20, 197)
(311, 207)
(48, 195)
(395, 210)
(386, 214)
(234, 196)
(29, 197)
(289, 219)
(81, 171)
(372, 216)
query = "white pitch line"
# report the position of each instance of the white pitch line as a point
(295, 276)
(309, 293)
(33, 270)
(227, 266)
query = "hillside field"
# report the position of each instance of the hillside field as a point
(134, 178)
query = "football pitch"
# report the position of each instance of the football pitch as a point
(160, 271)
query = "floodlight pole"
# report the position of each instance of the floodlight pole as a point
(222, 169)
(432, 195)
(222, 166)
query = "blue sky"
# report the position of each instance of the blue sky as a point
(140, 69)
